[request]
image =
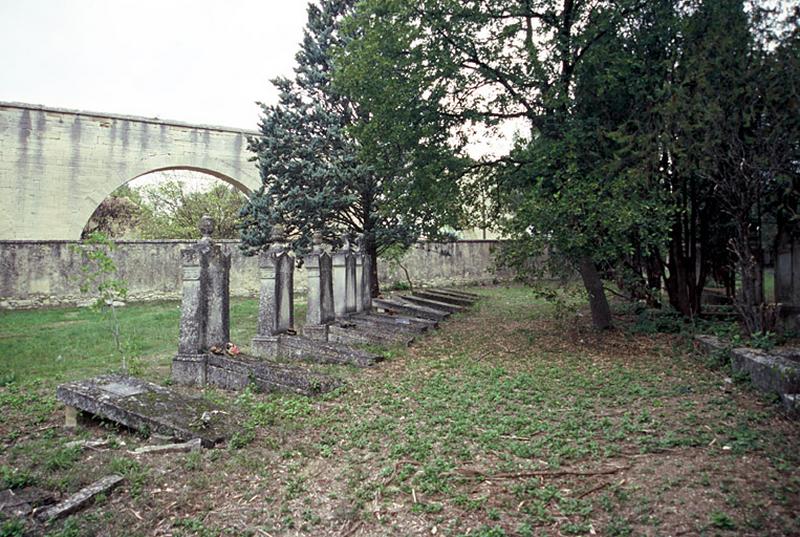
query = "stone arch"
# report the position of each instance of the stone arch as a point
(246, 183)
(57, 166)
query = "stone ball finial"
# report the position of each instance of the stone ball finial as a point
(345, 241)
(278, 233)
(206, 226)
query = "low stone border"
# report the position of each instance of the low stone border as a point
(770, 372)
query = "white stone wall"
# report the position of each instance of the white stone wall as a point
(44, 273)
(56, 166)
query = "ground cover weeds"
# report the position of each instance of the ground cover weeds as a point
(506, 421)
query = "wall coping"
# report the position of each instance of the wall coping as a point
(123, 117)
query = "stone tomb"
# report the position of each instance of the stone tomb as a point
(205, 317)
(146, 407)
(441, 296)
(350, 322)
(205, 325)
(398, 306)
(276, 335)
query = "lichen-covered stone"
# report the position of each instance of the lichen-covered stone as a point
(148, 407)
(301, 348)
(347, 332)
(80, 499)
(267, 376)
(435, 304)
(767, 372)
(406, 308)
(444, 297)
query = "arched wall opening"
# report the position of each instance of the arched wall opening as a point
(167, 203)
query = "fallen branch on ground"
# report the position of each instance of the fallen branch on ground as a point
(475, 474)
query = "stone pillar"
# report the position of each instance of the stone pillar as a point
(320, 291)
(218, 331)
(276, 305)
(344, 280)
(205, 314)
(358, 261)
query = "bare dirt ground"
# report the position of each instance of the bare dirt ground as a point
(503, 422)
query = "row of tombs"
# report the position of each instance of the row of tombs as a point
(342, 321)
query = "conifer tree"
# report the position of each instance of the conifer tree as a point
(315, 178)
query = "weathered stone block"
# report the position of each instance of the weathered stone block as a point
(266, 346)
(80, 499)
(147, 407)
(768, 372)
(443, 297)
(388, 322)
(189, 369)
(184, 447)
(300, 348)
(709, 344)
(351, 333)
(317, 332)
(461, 292)
(20, 503)
(436, 304)
(407, 308)
(237, 373)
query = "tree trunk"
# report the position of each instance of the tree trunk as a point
(372, 252)
(601, 313)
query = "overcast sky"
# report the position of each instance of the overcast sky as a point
(199, 61)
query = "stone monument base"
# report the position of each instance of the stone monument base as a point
(266, 346)
(190, 369)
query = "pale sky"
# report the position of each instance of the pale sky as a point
(198, 61)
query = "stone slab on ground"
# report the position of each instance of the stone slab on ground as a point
(16, 503)
(435, 304)
(348, 332)
(768, 372)
(444, 297)
(388, 322)
(407, 308)
(184, 447)
(709, 344)
(461, 292)
(394, 319)
(776, 371)
(80, 499)
(89, 444)
(267, 376)
(302, 348)
(147, 407)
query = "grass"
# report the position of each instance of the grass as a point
(512, 419)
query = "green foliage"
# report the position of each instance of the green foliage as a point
(169, 210)
(98, 278)
(722, 521)
(12, 478)
(12, 528)
(763, 340)
(316, 177)
(649, 134)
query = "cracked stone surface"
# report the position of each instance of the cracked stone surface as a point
(147, 407)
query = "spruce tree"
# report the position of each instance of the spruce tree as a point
(314, 176)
